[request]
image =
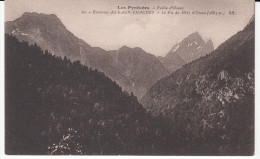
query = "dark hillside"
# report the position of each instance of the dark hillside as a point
(55, 106)
(211, 100)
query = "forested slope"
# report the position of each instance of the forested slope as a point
(55, 106)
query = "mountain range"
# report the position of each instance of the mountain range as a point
(194, 101)
(132, 68)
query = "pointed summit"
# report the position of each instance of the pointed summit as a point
(194, 37)
(189, 49)
(196, 33)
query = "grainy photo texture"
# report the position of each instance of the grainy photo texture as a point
(118, 77)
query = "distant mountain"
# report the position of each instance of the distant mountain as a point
(211, 100)
(141, 69)
(188, 50)
(55, 106)
(49, 33)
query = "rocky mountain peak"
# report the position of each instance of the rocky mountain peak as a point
(194, 37)
(33, 20)
(47, 31)
(189, 49)
(194, 34)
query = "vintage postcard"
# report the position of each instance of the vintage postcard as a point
(139, 77)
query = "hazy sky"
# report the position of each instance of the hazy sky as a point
(156, 34)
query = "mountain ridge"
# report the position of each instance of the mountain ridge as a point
(49, 33)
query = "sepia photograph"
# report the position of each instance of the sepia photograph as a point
(131, 78)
